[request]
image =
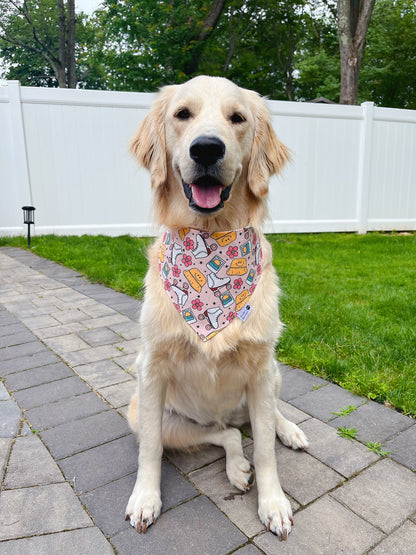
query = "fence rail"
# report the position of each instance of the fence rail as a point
(65, 151)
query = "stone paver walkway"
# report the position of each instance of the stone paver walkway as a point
(68, 459)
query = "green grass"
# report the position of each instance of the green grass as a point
(348, 433)
(348, 301)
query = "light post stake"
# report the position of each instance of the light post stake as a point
(29, 219)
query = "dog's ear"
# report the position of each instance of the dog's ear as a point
(149, 143)
(268, 154)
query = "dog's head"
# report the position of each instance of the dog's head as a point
(210, 150)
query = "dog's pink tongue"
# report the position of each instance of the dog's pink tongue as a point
(206, 196)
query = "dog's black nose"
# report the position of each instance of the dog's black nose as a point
(207, 150)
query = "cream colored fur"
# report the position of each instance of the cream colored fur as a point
(192, 392)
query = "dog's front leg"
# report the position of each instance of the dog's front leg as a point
(274, 508)
(145, 502)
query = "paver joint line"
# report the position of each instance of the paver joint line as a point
(59, 333)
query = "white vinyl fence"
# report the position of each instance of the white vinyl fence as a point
(66, 153)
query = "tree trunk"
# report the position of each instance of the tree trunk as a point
(353, 20)
(62, 50)
(70, 46)
(191, 66)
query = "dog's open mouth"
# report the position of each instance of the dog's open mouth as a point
(206, 194)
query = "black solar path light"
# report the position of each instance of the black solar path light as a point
(28, 218)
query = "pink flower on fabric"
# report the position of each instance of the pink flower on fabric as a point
(238, 283)
(189, 244)
(187, 260)
(232, 251)
(197, 304)
(259, 269)
(252, 289)
(231, 316)
(167, 285)
(176, 272)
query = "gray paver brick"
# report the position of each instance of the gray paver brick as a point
(119, 394)
(27, 362)
(344, 456)
(302, 476)
(105, 321)
(48, 392)
(126, 361)
(26, 349)
(374, 422)
(296, 382)
(107, 504)
(102, 373)
(323, 402)
(11, 329)
(99, 336)
(5, 444)
(403, 447)
(30, 464)
(384, 494)
(85, 540)
(38, 376)
(4, 395)
(66, 343)
(62, 329)
(38, 322)
(65, 410)
(16, 339)
(10, 416)
(323, 527)
(401, 542)
(79, 435)
(241, 508)
(101, 465)
(193, 527)
(249, 549)
(39, 510)
(68, 316)
(129, 330)
(93, 354)
(97, 310)
(292, 413)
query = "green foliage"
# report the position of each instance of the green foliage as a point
(348, 433)
(388, 73)
(376, 448)
(285, 50)
(345, 411)
(27, 41)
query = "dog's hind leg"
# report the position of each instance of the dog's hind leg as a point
(178, 432)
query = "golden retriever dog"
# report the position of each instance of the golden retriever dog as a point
(210, 319)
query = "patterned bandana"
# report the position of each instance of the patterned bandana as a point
(210, 277)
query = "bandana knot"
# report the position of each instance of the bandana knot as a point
(210, 277)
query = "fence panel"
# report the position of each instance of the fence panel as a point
(65, 151)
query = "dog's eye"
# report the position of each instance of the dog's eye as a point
(237, 118)
(183, 113)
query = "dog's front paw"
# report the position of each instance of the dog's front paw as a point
(291, 435)
(143, 509)
(276, 514)
(240, 472)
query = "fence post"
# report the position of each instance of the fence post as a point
(364, 166)
(22, 183)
